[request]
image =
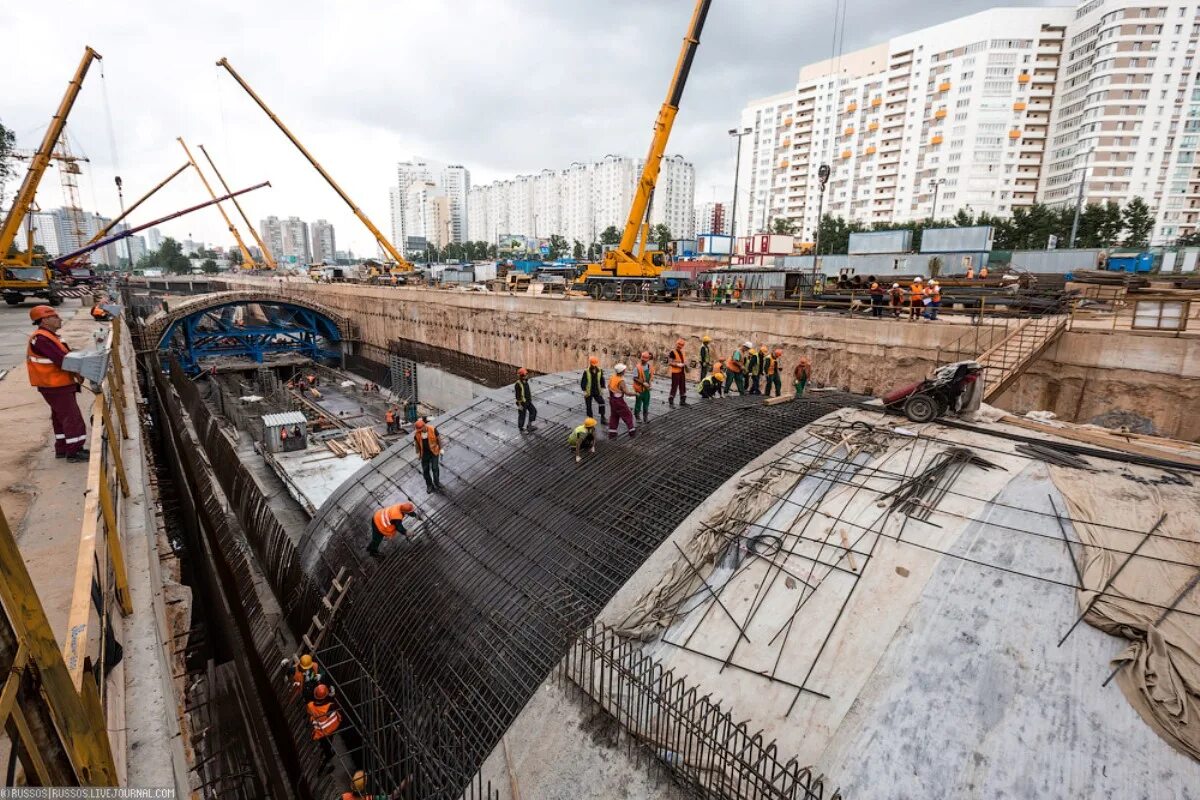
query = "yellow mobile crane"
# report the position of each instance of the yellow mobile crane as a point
(623, 270)
(268, 259)
(401, 264)
(247, 258)
(19, 276)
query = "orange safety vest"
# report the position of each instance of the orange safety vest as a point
(434, 447)
(616, 385)
(677, 355)
(98, 312)
(734, 365)
(324, 718)
(390, 417)
(917, 292)
(769, 369)
(642, 375)
(43, 372)
(383, 520)
(934, 293)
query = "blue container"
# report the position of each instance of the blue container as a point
(1141, 262)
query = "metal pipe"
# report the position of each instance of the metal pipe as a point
(123, 234)
(268, 259)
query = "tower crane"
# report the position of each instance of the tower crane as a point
(247, 258)
(401, 264)
(630, 267)
(19, 277)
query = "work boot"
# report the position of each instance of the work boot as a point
(430, 488)
(671, 401)
(682, 402)
(373, 553)
(80, 457)
(530, 429)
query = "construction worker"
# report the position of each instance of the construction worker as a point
(752, 371)
(643, 377)
(44, 359)
(983, 272)
(358, 789)
(735, 369)
(592, 384)
(712, 385)
(916, 300)
(429, 450)
(933, 299)
(760, 369)
(583, 437)
(801, 375)
(771, 372)
(876, 292)
(678, 374)
(970, 273)
(896, 295)
(386, 521)
(617, 392)
(324, 719)
(525, 406)
(306, 675)
(99, 314)
(390, 419)
(706, 360)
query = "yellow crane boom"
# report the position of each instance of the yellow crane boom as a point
(268, 259)
(27, 194)
(401, 262)
(249, 259)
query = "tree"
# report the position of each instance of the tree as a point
(558, 246)
(170, 258)
(610, 235)
(209, 266)
(577, 252)
(1111, 224)
(783, 226)
(7, 141)
(963, 219)
(491, 251)
(1188, 239)
(1138, 221)
(661, 235)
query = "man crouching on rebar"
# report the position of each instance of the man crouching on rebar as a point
(583, 437)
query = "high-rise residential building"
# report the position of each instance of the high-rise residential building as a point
(454, 180)
(154, 239)
(46, 232)
(323, 246)
(271, 231)
(427, 217)
(711, 218)
(959, 111)
(296, 248)
(137, 248)
(581, 201)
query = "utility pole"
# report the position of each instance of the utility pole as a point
(822, 179)
(737, 170)
(1079, 199)
(935, 185)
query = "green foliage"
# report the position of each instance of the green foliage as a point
(491, 251)
(610, 235)
(209, 266)
(783, 226)
(170, 258)
(1138, 221)
(558, 247)
(661, 235)
(1188, 239)
(8, 141)
(577, 252)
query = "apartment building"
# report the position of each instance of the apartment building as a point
(324, 246)
(959, 111)
(711, 218)
(454, 180)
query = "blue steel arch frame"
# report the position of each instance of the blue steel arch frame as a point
(211, 332)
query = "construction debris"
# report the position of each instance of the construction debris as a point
(363, 441)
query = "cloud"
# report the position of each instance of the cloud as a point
(501, 86)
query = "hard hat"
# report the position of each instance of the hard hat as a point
(895, 286)
(420, 424)
(917, 279)
(522, 372)
(594, 361)
(748, 345)
(719, 376)
(706, 339)
(306, 661)
(407, 508)
(874, 285)
(321, 692)
(39, 313)
(645, 355)
(933, 281)
(619, 368)
(778, 352)
(762, 349)
(589, 423)
(680, 342)
(358, 781)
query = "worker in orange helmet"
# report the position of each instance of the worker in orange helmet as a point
(324, 719)
(386, 521)
(390, 419)
(801, 375)
(771, 372)
(643, 377)
(592, 384)
(525, 406)
(359, 791)
(306, 675)
(44, 360)
(429, 450)
(678, 373)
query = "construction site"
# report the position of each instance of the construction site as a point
(367, 539)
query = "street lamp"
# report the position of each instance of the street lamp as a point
(737, 170)
(822, 179)
(1079, 199)
(935, 186)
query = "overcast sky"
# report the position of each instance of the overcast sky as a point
(501, 86)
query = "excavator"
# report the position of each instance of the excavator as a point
(629, 270)
(400, 266)
(22, 275)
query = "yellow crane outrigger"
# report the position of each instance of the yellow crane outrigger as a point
(630, 265)
(401, 263)
(19, 277)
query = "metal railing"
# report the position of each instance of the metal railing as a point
(706, 751)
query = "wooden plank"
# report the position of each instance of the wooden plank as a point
(114, 446)
(115, 550)
(1112, 441)
(79, 618)
(9, 695)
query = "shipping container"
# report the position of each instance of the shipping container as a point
(768, 244)
(1053, 262)
(485, 271)
(685, 248)
(715, 244)
(957, 240)
(1130, 262)
(879, 242)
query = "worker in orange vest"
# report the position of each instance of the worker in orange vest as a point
(801, 375)
(771, 368)
(386, 521)
(933, 300)
(617, 392)
(99, 314)
(358, 789)
(44, 359)
(643, 377)
(983, 272)
(734, 366)
(306, 675)
(429, 450)
(390, 419)
(917, 298)
(678, 373)
(324, 719)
